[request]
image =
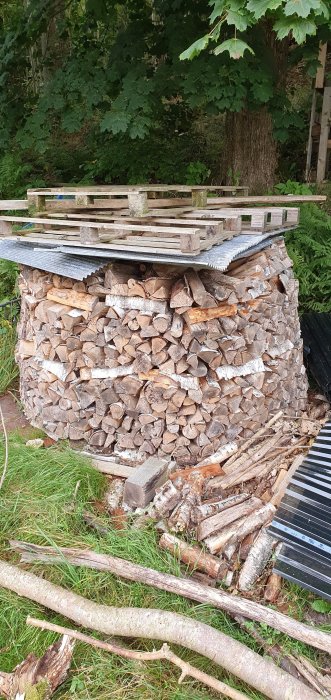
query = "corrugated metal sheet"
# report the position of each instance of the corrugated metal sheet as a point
(217, 258)
(303, 521)
(316, 333)
(78, 268)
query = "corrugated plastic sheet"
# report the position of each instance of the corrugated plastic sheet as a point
(303, 521)
(78, 268)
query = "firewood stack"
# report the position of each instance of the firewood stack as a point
(141, 360)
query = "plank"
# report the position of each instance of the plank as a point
(324, 135)
(320, 73)
(14, 204)
(102, 226)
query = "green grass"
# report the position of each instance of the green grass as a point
(8, 367)
(41, 502)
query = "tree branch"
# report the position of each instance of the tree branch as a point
(164, 653)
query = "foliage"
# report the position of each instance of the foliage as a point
(298, 19)
(321, 606)
(309, 246)
(42, 500)
(84, 84)
(8, 367)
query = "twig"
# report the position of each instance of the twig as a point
(4, 471)
(163, 653)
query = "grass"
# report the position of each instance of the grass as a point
(8, 367)
(41, 502)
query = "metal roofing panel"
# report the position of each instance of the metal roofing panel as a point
(77, 268)
(218, 257)
(303, 520)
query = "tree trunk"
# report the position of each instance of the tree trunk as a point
(250, 156)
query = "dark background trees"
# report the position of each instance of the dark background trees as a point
(94, 90)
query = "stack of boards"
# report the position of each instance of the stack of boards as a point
(167, 219)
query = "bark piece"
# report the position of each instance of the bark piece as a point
(37, 679)
(273, 588)
(143, 305)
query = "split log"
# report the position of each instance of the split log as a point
(256, 561)
(159, 624)
(173, 584)
(194, 556)
(279, 493)
(68, 297)
(223, 518)
(37, 679)
(239, 530)
(245, 445)
(206, 510)
(167, 498)
(163, 653)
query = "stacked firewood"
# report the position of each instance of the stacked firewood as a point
(143, 360)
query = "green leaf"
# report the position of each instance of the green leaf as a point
(302, 8)
(235, 47)
(321, 606)
(237, 16)
(195, 48)
(300, 28)
(260, 7)
(219, 6)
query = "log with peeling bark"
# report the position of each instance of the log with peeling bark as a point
(173, 584)
(237, 531)
(251, 668)
(256, 561)
(38, 678)
(223, 518)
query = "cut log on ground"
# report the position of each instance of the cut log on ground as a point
(263, 675)
(180, 586)
(195, 557)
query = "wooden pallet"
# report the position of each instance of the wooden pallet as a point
(183, 236)
(138, 199)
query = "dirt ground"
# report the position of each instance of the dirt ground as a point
(12, 413)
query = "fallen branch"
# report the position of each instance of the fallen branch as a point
(244, 663)
(4, 471)
(162, 654)
(181, 586)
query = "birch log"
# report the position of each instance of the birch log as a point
(162, 625)
(256, 561)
